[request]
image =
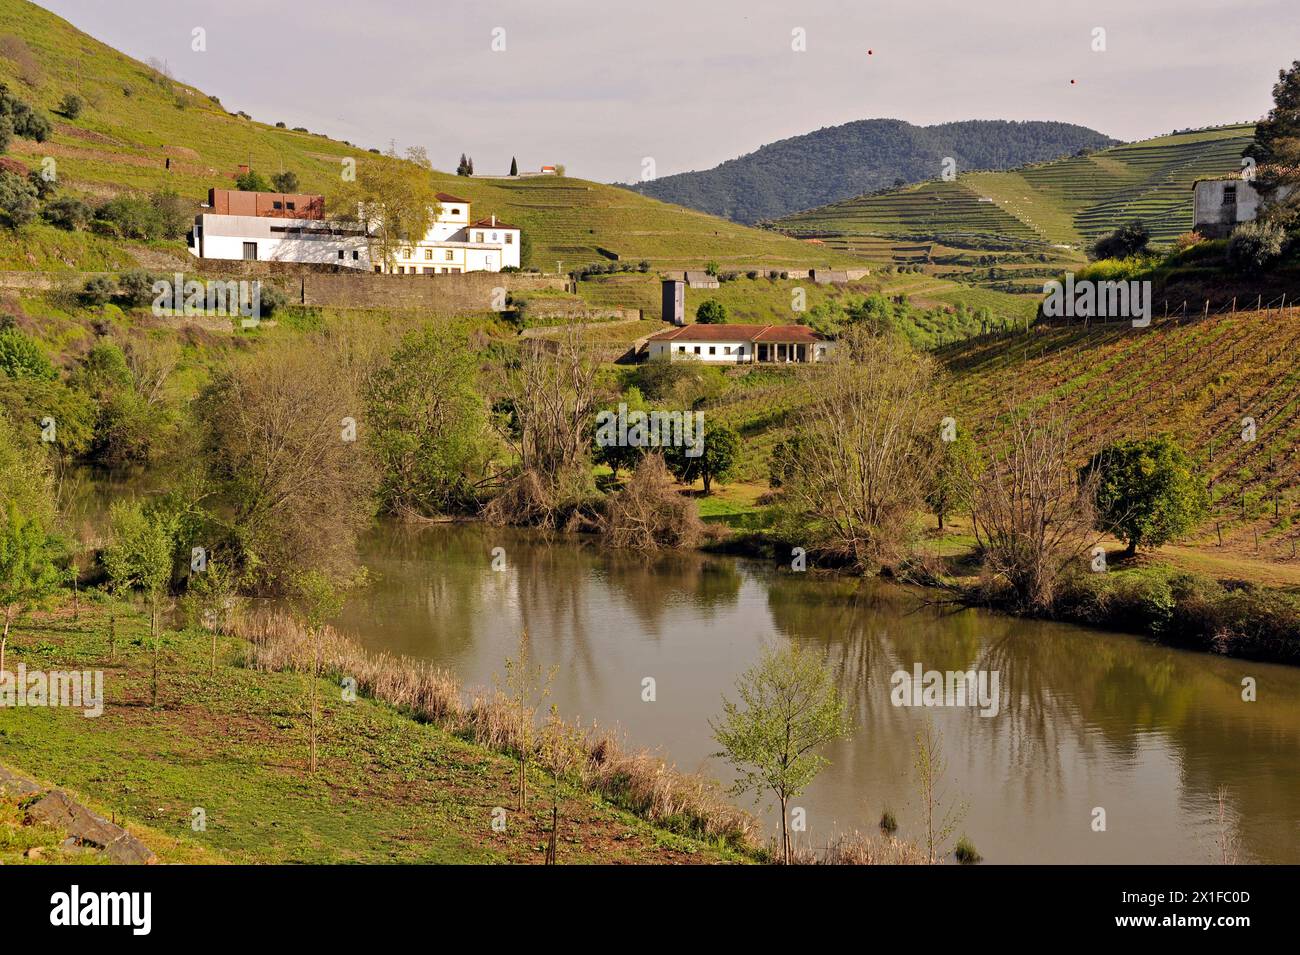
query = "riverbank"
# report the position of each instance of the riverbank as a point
(1239, 611)
(228, 747)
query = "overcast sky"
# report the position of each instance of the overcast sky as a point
(600, 85)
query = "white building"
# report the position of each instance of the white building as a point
(454, 243)
(1220, 205)
(740, 344)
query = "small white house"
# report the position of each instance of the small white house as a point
(456, 243)
(740, 344)
(1220, 205)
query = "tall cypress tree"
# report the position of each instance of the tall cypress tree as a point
(514, 166)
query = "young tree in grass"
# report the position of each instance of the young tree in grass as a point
(716, 461)
(28, 572)
(1148, 491)
(213, 600)
(527, 686)
(316, 598)
(957, 466)
(788, 708)
(141, 556)
(940, 820)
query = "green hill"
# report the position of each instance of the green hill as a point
(840, 161)
(136, 119)
(1068, 201)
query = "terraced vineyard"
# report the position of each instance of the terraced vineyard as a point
(1068, 201)
(142, 131)
(1198, 380)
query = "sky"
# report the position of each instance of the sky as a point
(603, 86)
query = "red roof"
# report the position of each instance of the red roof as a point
(731, 333)
(448, 197)
(489, 224)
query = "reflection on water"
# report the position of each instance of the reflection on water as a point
(1087, 720)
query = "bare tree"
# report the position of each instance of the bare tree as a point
(930, 766)
(862, 465)
(1033, 514)
(549, 401)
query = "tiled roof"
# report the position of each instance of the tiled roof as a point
(447, 197)
(489, 224)
(731, 333)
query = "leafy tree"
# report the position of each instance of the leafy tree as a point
(514, 166)
(394, 200)
(98, 290)
(462, 167)
(6, 133)
(172, 215)
(717, 462)
(18, 199)
(286, 181)
(22, 357)
(619, 457)
(1254, 246)
(1148, 492)
(1128, 240)
(789, 707)
(957, 467)
(1276, 150)
(71, 105)
(136, 287)
(28, 572)
(431, 436)
(252, 181)
(711, 312)
(212, 599)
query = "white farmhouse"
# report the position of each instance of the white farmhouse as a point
(456, 243)
(271, 227)
(740, 344)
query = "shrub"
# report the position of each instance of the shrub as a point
(648, 513)
(1188, 239)
(1126, 241)
(271, 300)
(6, 133)
(67, 213)
(71, 105)
(252, 181)
(21, 357)
(132, 216)
(18, 200)
(98, 290)
(286, 181)
(137, 287)
(1254, 246)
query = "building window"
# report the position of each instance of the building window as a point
(697, 349)
(290, 206)
(277, 205)
(713, 350)
(510, 238)
(450, 256)
(355, 255)
(340, 253)
(455, 212)
(428, 254)
(478, 236)
(1230, 195)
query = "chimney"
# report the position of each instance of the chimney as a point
(494, 220)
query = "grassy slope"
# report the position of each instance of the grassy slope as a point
(1069, 200)
(388, 789)
(121, 142)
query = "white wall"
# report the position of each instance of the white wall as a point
(223, 237)
(723, 353)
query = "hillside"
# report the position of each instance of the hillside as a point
(836, 162)
(1068, 201)
(136, 119)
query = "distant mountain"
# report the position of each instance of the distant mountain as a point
(837, 162)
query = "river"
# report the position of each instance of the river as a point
(1087, 720)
